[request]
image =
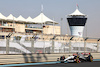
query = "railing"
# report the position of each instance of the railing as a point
(33, 27)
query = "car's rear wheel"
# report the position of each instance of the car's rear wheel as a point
(77, 60)
(91, 59)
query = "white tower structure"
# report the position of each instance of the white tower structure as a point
(76, 22)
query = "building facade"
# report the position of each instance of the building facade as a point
(21, 26)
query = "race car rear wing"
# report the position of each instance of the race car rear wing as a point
(86, 53)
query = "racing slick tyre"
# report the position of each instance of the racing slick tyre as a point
(77, 60)
(62, 59)
(91, 59)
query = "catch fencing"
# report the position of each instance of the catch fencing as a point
(48, 44)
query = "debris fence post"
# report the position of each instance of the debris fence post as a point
(69, 46)
(32, 45)
(7, 46)
(98, 45)
(84, 46)
(52, 46)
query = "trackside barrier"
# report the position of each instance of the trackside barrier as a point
(96, 59)
(26, 64)
(31, 58)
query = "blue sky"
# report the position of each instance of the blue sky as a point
(56, 9)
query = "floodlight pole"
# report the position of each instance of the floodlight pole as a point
(13, 24)
(13, 28)
(61, 25)
(42, 26)
(53, 28)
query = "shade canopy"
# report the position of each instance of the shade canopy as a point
(29, 19)
(77, 12)
(40, 19)
(2, 17)
(20, 18)
(11, 17)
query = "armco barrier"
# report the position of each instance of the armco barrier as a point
(30, 58)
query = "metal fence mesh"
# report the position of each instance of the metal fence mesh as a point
(48, 44)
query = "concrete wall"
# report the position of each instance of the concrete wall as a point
(26, 58)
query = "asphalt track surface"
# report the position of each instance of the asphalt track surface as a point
(83, 64)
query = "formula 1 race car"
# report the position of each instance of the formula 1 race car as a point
(77, 57)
